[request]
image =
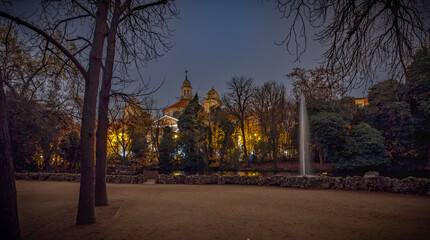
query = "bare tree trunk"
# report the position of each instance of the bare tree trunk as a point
(103, 120)
(9, 222)
(275, 155)
(320, 155)
(86, 208)
(101, 198)
(245, 157)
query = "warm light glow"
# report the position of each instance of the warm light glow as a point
(119, 141)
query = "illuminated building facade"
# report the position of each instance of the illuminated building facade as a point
(172, 112)
(361, 102)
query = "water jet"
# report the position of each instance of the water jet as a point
(304, 160)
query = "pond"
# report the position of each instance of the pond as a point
(239, 173)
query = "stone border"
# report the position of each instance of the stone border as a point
(73, 177)
(409, 185)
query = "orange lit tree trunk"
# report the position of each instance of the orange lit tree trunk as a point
(86, 207)
(245, 151)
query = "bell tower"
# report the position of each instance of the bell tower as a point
(186, 89)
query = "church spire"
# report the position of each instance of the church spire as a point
(186, 88)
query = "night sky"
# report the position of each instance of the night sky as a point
(215, 40)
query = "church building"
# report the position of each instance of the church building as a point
(172, 112)
(187, 93)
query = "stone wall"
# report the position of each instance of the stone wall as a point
(409, 185)
(73, 177)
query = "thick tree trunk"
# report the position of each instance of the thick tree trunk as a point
(101, 151)
(86, 207)
(103, 119)
(9, 222)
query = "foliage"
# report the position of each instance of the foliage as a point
(167, 151)
(262, 150)
(364, 150)
(329, 121)
(328, 129)
(36, 132)
(418, 94)
(390, 114)
(193, 137)
(139, 126)
(350, 148)
(119, 141)
(270, 108)
(226, 151)
(40, 103)
(70, 149)
(387, 91)
(344, 107)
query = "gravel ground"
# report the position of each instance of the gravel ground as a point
(47, 210)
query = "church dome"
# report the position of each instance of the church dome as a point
(212, 94)
(186, 83)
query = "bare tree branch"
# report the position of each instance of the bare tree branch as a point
(48, 38)
(362, 37)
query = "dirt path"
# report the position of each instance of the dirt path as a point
(48, 211)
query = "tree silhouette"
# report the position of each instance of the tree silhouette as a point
(362, 36)
(238, 103)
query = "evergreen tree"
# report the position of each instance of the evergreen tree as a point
(227, 152)
(193, 143)
(418, 93)
(70, 149)
(389, 113)
(329, 121)
(139, 126)
(364, 150)
(328, 130)
(167, 150)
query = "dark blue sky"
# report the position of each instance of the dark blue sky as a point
(216, 40)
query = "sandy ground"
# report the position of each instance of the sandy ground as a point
(47, 210)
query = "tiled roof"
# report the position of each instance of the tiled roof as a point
(183, 103)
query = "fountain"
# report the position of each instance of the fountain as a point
(304, 161)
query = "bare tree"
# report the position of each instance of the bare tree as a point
(362, 36)
(102, 17)
(314, 84)
(22, 76)
(140, 28)
(238, 103)
(86, 211)
(9, 223)
(270, 108)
